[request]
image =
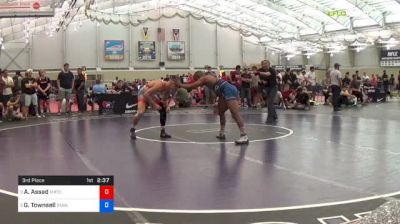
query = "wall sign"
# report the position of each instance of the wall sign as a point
(114, 50)
(147, 50)
(390, 58)
(176, 50)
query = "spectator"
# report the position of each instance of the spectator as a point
(255, 87)
(13, 107)
(391, 83)
(1, 112)
(302, 100)
(235, 78)
(326, 87)
(246, 88)
(346, 79)
(336, 83)
(29, 85)
(346, 98)
(122, 87)
(374, 81)
(355, 88)
(311, 82)
(288, 95)
(80, 90)
(8, 85)
(97, 88)
(286, 77)
(17, 81)
(43, 93)
(293, 80)
(365, 79)
(65, 82)
(385, 82)
(268, 75)
(358, 75)
(182, 98)
(209, 93)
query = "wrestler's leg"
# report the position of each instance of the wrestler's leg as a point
(141, 108)
(234, 108)
(222, 119)
(163, 120)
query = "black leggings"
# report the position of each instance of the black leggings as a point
(163, 114)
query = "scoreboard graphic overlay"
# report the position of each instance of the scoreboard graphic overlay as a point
(66, 194)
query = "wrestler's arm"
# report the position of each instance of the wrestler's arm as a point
(196, 84)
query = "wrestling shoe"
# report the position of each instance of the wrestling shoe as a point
(242, 140)
(133, 133)
(164, 135)
(221, 136)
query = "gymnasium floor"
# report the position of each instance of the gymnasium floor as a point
(311, 165)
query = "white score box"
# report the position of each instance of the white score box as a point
(59, 192)
(58, 205)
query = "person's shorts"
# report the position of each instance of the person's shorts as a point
(64, 93)
(229, 92)
(30, 99)
(5, 98)
(41, 96)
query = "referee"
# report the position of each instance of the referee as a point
(268, 77)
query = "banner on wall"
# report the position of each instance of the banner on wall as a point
(146, 33)
(176, 50)
(147, 50)
(175, 34)
(114, 50)
(390, 58)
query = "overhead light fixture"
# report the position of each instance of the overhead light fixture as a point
(331, 54)
(2, 47)
(98, 24)
(273, 53)
(27, 41)
(308, 56)
(358, 49)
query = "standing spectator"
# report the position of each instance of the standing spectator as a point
(293, 80)
(355, 88)
(286, 77)
(8, 84)
(336, 83)
(17, 81)
(209, 93)
(365, 79)
(391, 83)
(236, 77)
(358, 75)
(43, 93)
(311, 81)
(269, 75)
(246, 88)
(65, 82)
(346, 80)
(385, 82)
(29, 86)
(374, 81)
(255, 87)
(80, 90)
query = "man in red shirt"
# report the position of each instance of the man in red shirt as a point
(236, 77)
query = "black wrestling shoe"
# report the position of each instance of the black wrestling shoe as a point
(221, 136)
(164, 135)
(133, 133)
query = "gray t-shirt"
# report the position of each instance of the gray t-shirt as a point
(335, 76)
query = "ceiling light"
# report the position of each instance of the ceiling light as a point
(331, 54)
(2, 47)
(308, 56)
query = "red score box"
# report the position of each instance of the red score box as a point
(106, 192)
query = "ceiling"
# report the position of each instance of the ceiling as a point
(290, 26)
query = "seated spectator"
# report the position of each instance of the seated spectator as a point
(122, 87)
(13, 107)
(288, 95)
(279, 102)
(182, 98)
(355, 88)
(302, 100)
(346, 98)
